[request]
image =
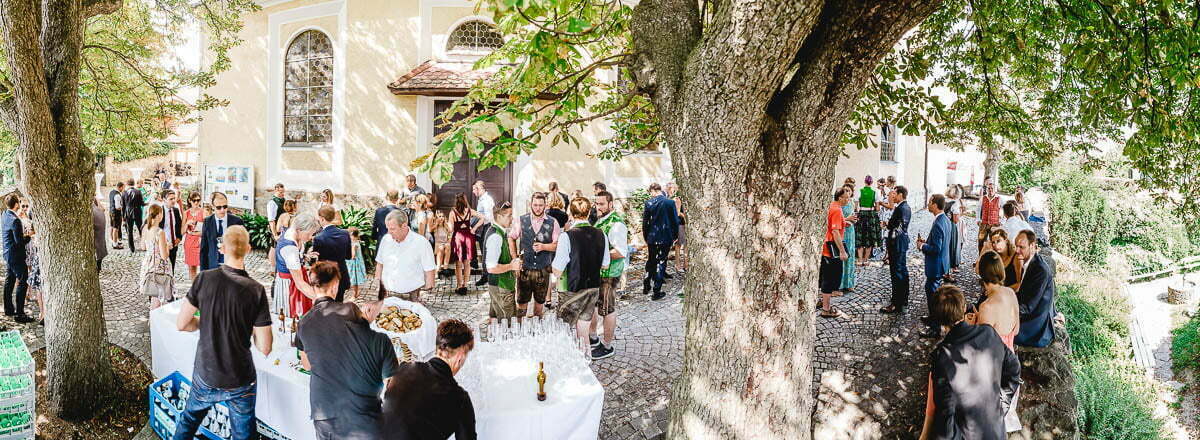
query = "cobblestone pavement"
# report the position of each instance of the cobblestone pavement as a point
(637, 380)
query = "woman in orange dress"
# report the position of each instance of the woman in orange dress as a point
(193, 219)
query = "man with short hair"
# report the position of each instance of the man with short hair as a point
(132, 202)
(536, 238)
(15, 252)
(660, 228)
(116, 213)
(378, 226)
(484, 204)
(1036, 294)
(597, 188)
(214, 228)
(404, 263)
(612, 223)
(234, 308)
(411, 189)
(1013, 223)
(423, 401)
(582, 254)
(349, 361)
(500, 263)
(988, 213)
(275, 208)
(937, 257)
(333, 244)
(172, 225)
(897, 249)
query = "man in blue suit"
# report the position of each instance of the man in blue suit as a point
(660, 228)
(937, 257)
(378, 226)
(14, 257)
(1036, 295)
(333, 244)
(214, 230)
(897, 249)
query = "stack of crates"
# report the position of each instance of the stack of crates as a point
(18, 394)
(169, 396)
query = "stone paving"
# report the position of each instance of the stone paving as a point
(869, 368)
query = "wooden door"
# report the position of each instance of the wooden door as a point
(497, 181)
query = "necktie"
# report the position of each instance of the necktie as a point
(220, 228)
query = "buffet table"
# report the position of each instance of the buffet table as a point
(500, 377)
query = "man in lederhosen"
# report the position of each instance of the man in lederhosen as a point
(536, 236)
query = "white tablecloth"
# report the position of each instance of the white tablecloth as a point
(502, 383)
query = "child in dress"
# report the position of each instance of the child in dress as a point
(358, 271)
(441, 240)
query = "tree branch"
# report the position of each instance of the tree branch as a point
(92, 8)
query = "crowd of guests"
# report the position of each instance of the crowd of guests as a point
(566, 252)
(975, 374)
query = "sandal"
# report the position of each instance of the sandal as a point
(831, 313)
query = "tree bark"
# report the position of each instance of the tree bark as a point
(42, 44)
(991, 165)
(754, 118)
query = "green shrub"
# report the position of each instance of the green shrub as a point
(1114, 402)
(260, 231)
(363, 219)
(1014, 173)
(1096, 322)
(1185, 344)
(1081, 224)
(637, 200)
(1153, 227)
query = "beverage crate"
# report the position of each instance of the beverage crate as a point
(168, 397)
(17, 426)
(268, 433)
(16, 388)
(14, 355)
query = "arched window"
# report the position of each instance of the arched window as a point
(474, 36)
(308, 91)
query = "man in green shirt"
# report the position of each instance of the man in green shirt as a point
(501, 264)
(613, 225)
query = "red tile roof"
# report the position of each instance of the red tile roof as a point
(439, 79)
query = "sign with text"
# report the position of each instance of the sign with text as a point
(237, 182)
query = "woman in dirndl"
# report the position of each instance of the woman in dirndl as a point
(849, 278)
(292, 291)
(867, 230)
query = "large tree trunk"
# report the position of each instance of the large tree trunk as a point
(753, 106)
(991, 165)
(42, 44)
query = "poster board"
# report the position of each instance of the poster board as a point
(237, 182)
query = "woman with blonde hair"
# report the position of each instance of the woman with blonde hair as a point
(156, 278)
(1019, 197)
(327, 200)
(999, 243)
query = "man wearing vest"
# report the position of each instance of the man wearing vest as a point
(989, 211)
(582, 254)
(613, 225)
(536, 236)
(499, 262)
(275, 208)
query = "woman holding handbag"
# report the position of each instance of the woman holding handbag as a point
(156, 280)
(193, 220)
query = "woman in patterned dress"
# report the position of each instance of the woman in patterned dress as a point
(32, 260)
(868, 235)
(848, 276)
(357, 270)
(156, 279)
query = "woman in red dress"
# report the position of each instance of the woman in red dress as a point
(193, 219)
(464, 241)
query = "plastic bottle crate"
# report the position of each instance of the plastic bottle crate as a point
(268, 433)
(17, 426)
(15, 388)
(167, 398)
(14, 354)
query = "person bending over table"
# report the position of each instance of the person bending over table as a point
(423, 401)
(349, 361)
(233, 304)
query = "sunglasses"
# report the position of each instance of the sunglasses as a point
(221, 206)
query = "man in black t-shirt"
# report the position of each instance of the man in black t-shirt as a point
(232, 305)
(348, 360)
(423, 401)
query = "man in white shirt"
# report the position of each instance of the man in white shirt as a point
(275, 208)
(502, 265)
(483, 212)
(1013, 223)
(411, 189)
(617, 234)
(405, 261)
(581, 256)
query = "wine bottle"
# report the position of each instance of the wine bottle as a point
(541, 379)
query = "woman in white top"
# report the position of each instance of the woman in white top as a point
(327, 200)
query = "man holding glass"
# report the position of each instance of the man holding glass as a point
(212, 231)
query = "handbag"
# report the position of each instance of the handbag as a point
(833, 249)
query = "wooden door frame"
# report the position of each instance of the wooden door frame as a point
(430, 103)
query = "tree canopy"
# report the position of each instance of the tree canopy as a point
(1033, 77)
